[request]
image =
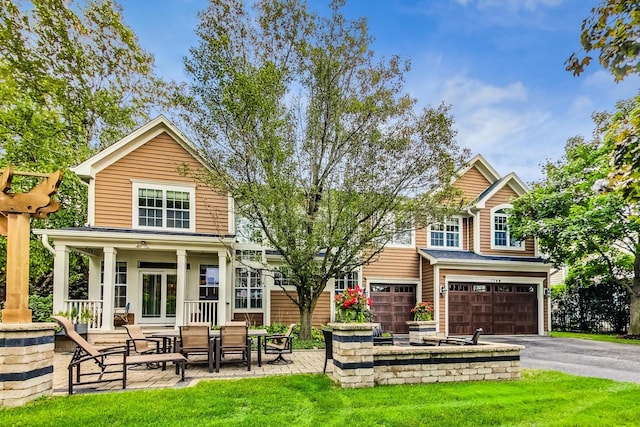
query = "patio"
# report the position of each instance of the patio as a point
(140, 377)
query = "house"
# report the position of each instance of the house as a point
(172, 250)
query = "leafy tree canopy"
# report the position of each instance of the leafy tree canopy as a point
(72, 79)
(613, 29)
(314, 137)
(578, 224)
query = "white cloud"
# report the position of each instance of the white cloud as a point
(471, 93)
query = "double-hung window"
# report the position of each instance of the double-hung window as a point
(120, 289)
(445, 234)
(501, 238)
(346, 281)
(163, 206)
(248, 288)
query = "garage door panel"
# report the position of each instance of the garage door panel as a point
(392, 304)
(496, 308)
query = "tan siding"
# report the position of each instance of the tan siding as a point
(421, 237)
(394, 263)
(505, 195)
(254, 319)
(427, 280)
(472, 184)
(156, 160)
(284, 311)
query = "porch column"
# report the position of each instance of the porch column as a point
(94, 277)
(181, 283)
(108, 287)
(222, 290)
(60, 278)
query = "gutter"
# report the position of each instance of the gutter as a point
(47, 245)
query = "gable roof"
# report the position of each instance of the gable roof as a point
(481, 164)
(511, 180)
(103, 159)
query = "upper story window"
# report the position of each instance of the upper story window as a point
(501, 238)
(163, 206)
(247, 231)
(347, 281)
(445, 234)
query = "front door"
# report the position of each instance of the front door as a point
(158, 297)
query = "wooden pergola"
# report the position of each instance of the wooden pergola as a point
(16, 211)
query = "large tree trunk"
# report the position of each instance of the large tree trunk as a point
(634, 313)
(306, 314)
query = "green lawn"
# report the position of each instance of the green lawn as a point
(595, 337)
(540, 398)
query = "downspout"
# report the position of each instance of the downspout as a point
(46, 244)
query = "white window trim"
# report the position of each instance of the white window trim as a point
(444, 246)
(262, 286)
(508, 247)
(187, 188)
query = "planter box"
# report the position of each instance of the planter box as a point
(118, 321)
(419, 330)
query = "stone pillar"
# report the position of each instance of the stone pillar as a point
(26, 362)
(419, 329)
(353, 354)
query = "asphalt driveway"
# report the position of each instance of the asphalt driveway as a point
(620, 362)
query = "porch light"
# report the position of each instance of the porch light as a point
(443, 290)
(142, 244)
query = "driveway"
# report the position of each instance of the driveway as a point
(620, 362)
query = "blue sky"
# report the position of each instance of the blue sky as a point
(498, 63)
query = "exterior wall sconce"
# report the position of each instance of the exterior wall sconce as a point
(142, 244)
(443, 290)
(547, 292)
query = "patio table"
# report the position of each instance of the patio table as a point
(173, 335)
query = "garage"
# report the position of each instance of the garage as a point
(497, 308)
(392, 304)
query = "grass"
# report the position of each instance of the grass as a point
(595, 337)
(540, 398)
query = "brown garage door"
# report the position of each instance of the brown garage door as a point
(392, 305)
(499, 309)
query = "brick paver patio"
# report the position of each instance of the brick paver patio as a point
(140, 377)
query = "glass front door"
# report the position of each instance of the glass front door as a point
(158, 297)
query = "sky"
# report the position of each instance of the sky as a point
(499, 64)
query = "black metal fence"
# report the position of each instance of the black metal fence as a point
(602, 308)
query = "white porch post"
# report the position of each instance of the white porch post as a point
(180, 285)
(60, 278)
(222, 290)
(94, 277)
(108, 287)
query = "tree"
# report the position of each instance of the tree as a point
(72, 79)
(614, 29)
(313, 138)
(595, 232)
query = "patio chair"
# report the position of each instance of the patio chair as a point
(381, 337)
(473, 340)
(139, 343)
(279, 344)
(234, 338)
(111, 361)
(195, 339)
(328, 347)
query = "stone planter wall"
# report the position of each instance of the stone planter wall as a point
(429, 364)
(353, 354)
(419, 329)
(26, 362)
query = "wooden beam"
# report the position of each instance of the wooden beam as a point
(42, 213)
(17, 304)
(23, 203)
(3, 225)
(49, 185)
(5, 179)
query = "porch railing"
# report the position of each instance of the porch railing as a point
(79, 305)
(201, 311)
